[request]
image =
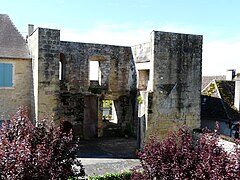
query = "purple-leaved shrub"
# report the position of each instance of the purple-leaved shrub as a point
(35, 152)
(183, 156)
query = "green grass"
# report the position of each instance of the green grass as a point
(111, 176)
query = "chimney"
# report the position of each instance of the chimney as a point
(230, 74)
(237, 93)
(30, 29)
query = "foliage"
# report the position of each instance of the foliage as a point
(107, 103)
(210, 90)
(180, 156)
(111, 176)
(38, 151)
(140, 100)
(107, 116)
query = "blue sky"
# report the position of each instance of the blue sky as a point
(129, 22)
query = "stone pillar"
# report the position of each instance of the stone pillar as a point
(48, 73)
(177, 60)
(33, 48)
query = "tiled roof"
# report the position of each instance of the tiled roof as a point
(12, 44)
(227, 91)
(212, 108)
(207, 79)
(220, 106)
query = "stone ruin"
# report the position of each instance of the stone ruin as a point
(105, 90)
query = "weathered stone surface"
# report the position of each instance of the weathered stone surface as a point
(44, 48)
(142, 52)
(177, 81)
(117, 79)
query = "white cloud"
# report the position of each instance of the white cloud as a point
(108, 34)
(218, 55)
(118, 34)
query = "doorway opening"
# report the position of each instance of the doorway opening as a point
(109, 111)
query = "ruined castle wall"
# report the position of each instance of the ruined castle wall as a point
(117, 80)
(75, 67)
(114, 63)
(142, 52)
(171, 63)
(46, 55)
(177, 62)
(143, 59)
(33, 48)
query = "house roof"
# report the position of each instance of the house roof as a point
(12, 44)
(218, 100)
(212, 108)
(207, 79)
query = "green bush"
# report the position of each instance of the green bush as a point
(111, 176)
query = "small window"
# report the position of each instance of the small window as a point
(60, 71)
(94, 68)
(143, 79)
(6, 75)
(95, 72)
(62, 67)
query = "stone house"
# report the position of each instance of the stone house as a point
(152, 87)
(15, 69)
(221, 103)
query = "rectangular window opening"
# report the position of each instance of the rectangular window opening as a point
(143, 79)
(95, 72)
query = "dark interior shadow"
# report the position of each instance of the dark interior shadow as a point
(108, 147)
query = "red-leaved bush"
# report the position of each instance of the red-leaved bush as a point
(183, 156)
(40, 151)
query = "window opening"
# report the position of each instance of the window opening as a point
(6, 75)
(62, 65)
(143, 79)
(95, 72)
(107, 110)
(60, 71)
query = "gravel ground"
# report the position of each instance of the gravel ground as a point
(100, 166)
(116, 155)
(108, 155)
(228, 146)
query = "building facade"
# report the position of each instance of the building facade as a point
(15, 69)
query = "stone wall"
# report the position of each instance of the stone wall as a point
(48, 72)
(114, 64)
(117, 81)
(142, 52)
(44, 47)
(176, 98)
(18, 95)
(143, 58)
(170, 61)
(33, 48)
